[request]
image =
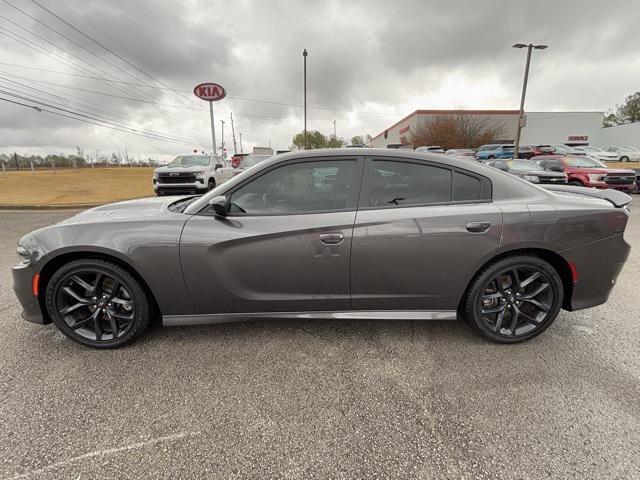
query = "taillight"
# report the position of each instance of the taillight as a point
(235, 161)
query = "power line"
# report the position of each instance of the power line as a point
(90, 119)
(133, 132)
(231, 97)
(90, 111)
(107, 48)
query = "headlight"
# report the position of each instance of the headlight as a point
(532, 178)
(198, 173)
(155, 174)
(596, 177)
(28, 248)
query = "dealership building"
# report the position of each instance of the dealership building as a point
(540, 128)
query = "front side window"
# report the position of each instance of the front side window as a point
(307, 187)
(402, 183)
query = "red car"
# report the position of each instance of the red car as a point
(588, 172)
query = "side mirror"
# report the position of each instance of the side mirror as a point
(219, 205)
(217, 166)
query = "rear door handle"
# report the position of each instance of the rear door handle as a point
(332, 238)
(477, 227)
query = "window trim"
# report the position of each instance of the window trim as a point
(359, 165)
(363, 202)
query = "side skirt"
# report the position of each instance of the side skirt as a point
(179, 320)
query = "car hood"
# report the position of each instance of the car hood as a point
(545, 173)
(129, 210)
(600, 170)
(180, 169)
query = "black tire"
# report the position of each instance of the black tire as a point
(491, 157)
(576, 183)
(125, 309)
(517, 309)
(211, 184)
(624, 159)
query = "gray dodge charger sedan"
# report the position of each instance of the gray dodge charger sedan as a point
(375, 234)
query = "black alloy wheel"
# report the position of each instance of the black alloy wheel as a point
(97, 303)
(514, 299)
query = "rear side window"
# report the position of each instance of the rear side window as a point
(466, 187)
(403, 183)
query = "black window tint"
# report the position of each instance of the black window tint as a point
(466, 187)
(402, 183)
(307, 187)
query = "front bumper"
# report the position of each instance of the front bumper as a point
(179, 187)
(22, 286)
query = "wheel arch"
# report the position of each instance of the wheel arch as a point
(557, 261)
(54, 263)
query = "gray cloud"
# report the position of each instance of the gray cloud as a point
(374, 61)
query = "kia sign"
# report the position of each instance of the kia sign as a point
(210, 92)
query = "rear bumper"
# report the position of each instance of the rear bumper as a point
(22, 286)
(598, 265)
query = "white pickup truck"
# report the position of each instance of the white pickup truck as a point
(191, 174)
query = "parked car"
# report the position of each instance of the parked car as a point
(399, 146)
(236, 158)
(529, 171)
(492, 151)
(598, 153)
(534, 150)
(586, 171)
(191, 174)
(625, 154)
(337, 234)
(461, 152)
(636, 187)
(430, 148)
(249, 161)
(558, 149)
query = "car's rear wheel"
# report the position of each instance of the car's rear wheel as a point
(97, 303)
(514, 299)
(624, 159)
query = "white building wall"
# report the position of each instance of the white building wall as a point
(561, 127)
(620, 135)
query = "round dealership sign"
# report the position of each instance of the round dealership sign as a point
(209, 91)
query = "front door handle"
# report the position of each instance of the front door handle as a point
(477, 227)
(332, 238)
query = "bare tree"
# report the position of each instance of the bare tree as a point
(457, 130)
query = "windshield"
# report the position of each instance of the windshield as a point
(189, 161)
(522, 165)
(585, 162)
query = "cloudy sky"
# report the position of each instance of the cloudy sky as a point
(132, 65)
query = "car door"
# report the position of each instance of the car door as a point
(223, 173)
(421, 232)
(285, 244)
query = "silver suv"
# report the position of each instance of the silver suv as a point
(191, 174)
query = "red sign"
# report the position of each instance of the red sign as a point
(209, 91)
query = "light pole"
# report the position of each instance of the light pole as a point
(240, 133)
(222, 142)
(304, 55)
(529, 47)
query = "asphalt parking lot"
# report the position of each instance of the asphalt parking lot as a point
(322, 399)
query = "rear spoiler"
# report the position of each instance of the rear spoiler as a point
(615, 197)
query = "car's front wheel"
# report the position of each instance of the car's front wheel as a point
(97, 303)
(514, 299)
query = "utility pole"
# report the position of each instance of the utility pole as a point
(222, 141)
(334, 129)
(304, 54)
(233, 134)
(15, 158)
(240, 134)
(529, 47)
(126, 155)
